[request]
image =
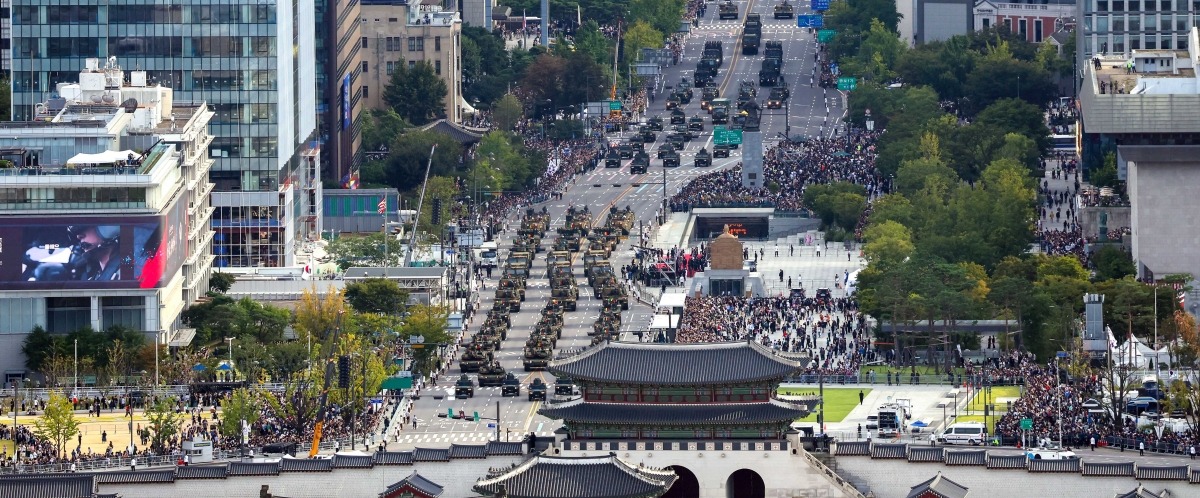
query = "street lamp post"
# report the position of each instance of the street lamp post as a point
(75, 383)
(230, 341)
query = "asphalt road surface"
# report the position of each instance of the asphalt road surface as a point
(604, 187)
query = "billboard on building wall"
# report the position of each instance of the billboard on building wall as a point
(111, 252)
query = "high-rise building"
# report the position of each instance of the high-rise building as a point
(339, 87)
(1117, 27)
(104, 210)
(399, 32)
(253, 61)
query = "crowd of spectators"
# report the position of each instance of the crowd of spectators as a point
(789, 167)
(1051, 397)
(829, 331)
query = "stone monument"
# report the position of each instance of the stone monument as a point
(752, 160)
(726, 252)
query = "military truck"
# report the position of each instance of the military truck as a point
(612, 159)
(511, 386)
(537, 390)
(774, 50)
(714, 51)
(518, 257)
(672, 102)
(464, 388)
(770, 72)
(606, 325)
(640, 164)
(785, 10)
(703, 159)
(750, 43)
(655, 123)
(512, 303)
(534, 220)
(491, 374)
(568, 296)
(728, 10)
(564, 386)
(621, 218)
(678, 117)
(647, 135)
(778, 96)
(721, 150)
(746, 92)
(720, 110)
(707, 95)
(473, 358)
(615, 292)
(671, 160)
(537, 357)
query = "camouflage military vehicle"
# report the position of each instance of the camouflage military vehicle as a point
(464, 388)
(567, 295)
(562, 244)
(579, 220)
(515, 284)
(537, 357)
(615, 293)
(472, 358)
(537, 390)
(534, 220)
(605, 325)
(528, 240)
(621, 218)
(558, 258)
(564, 386)
(516, 270)
(491, 374)
(561, 277)
(513, 303)
(511, 386)
(601, 271)
(489, 338)
(496, 317)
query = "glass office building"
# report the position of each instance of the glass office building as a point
(1117, 27)
(253, 61)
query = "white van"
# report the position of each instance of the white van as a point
(972, 433)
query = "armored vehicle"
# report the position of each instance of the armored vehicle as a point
(491, 374)
(785, 10)
(671, 160)
(703, 159)
(641, 163)
(696, 123)
(728, 10)
(464, 388)
(564, 386)
(655, 123)
(678, 117)
(472, 358)
(538, 356)
(612, 159)
(537, 390)
(511, 386)
(721, 150)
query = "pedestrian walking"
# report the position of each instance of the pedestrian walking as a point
(861, 396)
(1141, 448)
(1192, 451)
(1093, 443)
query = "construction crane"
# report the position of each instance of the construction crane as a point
(323, 402)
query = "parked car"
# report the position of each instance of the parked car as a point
(1050, 453)
(972, 433)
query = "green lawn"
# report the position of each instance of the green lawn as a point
(6, 445)
(838, 402)
(882, 370)
(976, 405)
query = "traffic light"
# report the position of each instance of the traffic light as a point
(437, 211)
(343, 364)
(476, 416)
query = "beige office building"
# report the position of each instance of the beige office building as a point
(395, 32)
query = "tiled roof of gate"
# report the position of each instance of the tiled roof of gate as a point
(631, 413)
(675, 364)
(578, 477)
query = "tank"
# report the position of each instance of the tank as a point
(491, 374)
(472, 358)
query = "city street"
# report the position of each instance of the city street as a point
(598, 190)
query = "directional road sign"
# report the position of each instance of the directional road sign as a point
(825, 35)
(820, 5)
(724, 136)
(847, 83)
(810, 21)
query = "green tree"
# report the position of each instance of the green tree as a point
(380, 128)
(221, 282)
(242, 404)
(36, 347)
(409, 156)
(640, 34)
(544, 83)
(888, 242)
(366, 250)
(593, 44)
(507, 112)
(417, 94)
(663, 15)
(5, 100)
(376, 295)
(428, 322)
(1017, 116)
(1112, 262)
(163, 423)
(1002, 78)
(57, 422)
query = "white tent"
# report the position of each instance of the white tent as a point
(106, 157)
(1140, 355)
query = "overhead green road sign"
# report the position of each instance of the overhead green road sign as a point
(614, 105)
(847, 83)
(1026, 424)
(825, 35)
(725, 136)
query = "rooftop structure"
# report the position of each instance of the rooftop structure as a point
(402, 33)
(938, 487)
(105, 210)
(578, 477)
(1141, 108)
(252, 61)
